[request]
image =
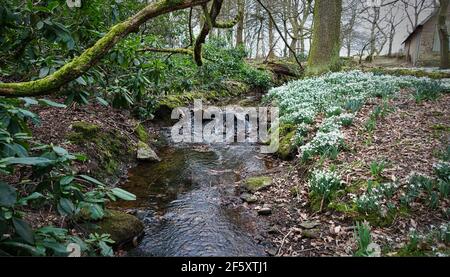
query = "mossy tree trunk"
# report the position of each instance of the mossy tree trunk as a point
(79, 65)
(443, 33)
(240, 26)
(324, 53)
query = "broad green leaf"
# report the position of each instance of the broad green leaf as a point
(44, 72)
(8, 195)
(96, 211)
(60, 151)
(102, 101)
(29, 101)
(92, 180)
(27, 161)
(39, 25)
(24, 230)
(32, 250)
(66, 207)
(81, 81)
(24, 201)
(50, 230)
(123, 194)
(66, 180)
(105, 250)
(51, 103)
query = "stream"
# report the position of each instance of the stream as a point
(189, 204)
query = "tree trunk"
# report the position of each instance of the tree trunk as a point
(271, 54)
(240, 26)
(391, 44)
(443, 34)
(324, 53)
(79, 65)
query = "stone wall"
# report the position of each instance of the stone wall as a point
(428, 57)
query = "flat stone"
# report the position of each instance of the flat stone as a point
(255, 184)
(272, 251)
(311, 234)
(265, 211)
(145, 153)
(249, 198)
(309, 224)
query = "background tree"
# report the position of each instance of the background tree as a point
(325, 48)
(443, 33)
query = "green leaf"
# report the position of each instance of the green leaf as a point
(102, 101)
(66, 180)
(32, 250)
(66, 207)
(105, 250)
(81, 157)
(60, 151)
(8, 195)
(40, 25)
(50, 230)
(81, 81)
(92, 180)
(51, 103)
(27, 161)
(44, 72)
(123, 194)
(29, 101)
(23, 229)
(24, 201)
(96, 211)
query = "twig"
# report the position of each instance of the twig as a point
(279, 33)
(283, 241)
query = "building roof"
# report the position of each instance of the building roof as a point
(420, 25)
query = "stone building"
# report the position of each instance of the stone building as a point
(422, 46)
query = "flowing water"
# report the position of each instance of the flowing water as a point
(184, 201)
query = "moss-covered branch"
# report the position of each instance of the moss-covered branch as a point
(210, 20)
(79, 65)
(230, 23)
(185, 51)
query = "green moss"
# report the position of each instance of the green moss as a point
(141, 133)
(287, 148)
(121, 226)
(85, 128)
(315, 203)
(254, 184)
(185, 99)
(111, 167)
(356, 186)
(348, 209)
(107, 148)
(294, 191)
(441, 128)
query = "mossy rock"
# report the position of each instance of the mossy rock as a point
(122, 227)
(107, 149)
(85, 128)
(141, 133)
(146, 153)
(235, 88)
(255, 184)
(287, 148)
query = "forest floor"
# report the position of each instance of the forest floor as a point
(410, 138)
(56, 127)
